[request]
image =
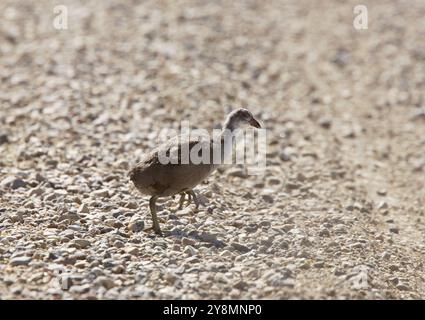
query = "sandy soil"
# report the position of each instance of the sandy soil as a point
(339, 212)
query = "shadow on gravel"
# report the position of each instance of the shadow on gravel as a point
(205, 238)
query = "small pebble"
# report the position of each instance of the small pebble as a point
(240, 247)
(20, 261)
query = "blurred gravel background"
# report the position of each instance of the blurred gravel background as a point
(339, 212)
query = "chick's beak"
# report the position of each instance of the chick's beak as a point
(254, 123)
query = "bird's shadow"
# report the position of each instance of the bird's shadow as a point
(179, 234)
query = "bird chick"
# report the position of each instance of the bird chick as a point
(153, 177)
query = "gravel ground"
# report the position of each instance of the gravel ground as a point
(339, 212)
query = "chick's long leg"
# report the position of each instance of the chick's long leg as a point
(182, 199)
(190, 195)
(155, 224)
(181, 202)
(189, 198)
(195, 198)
